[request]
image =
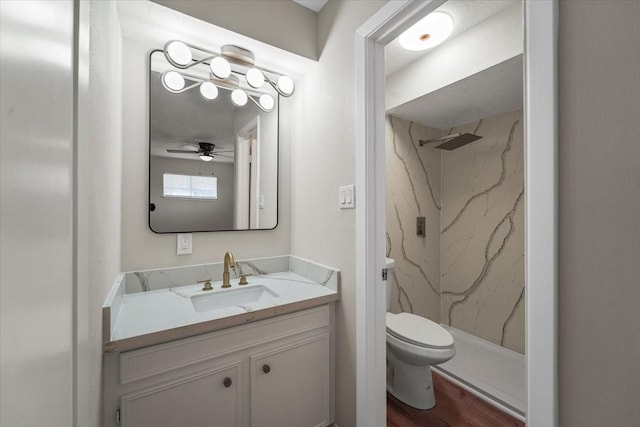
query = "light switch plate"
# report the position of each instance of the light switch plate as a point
(185, 243)
(347, 196)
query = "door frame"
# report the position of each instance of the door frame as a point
(541, 176)
(247, 151)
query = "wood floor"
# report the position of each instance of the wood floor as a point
(455, 407)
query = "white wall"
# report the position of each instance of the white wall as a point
(491, 42)
(599, 229)
(36, 220)
(322, 159)
(142, 248)
(175, 214)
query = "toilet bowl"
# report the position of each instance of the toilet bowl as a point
(414, 344)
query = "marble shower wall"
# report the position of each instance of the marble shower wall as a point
(413, 189)
(482, 252)
(474, 204)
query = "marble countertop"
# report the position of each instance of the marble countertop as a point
(163, 315)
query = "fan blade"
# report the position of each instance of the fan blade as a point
(222, 155)
(170, 150)
(223, 151)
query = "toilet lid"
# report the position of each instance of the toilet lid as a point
(418, 331)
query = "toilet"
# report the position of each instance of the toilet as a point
(413, 345)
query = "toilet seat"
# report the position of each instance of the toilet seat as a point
(418, 331)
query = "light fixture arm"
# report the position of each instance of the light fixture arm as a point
(258, 104)
(277, 89)
(184, 89)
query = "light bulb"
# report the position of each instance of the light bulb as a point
(220, 67)
(179, 52)
(286, 86)
(173, 81)
(255, 78)
(209, 90)
(239, 97)
(429, 32)
(267, 102)
(206, 157)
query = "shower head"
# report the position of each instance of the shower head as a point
(452, 141)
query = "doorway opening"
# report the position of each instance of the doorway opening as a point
(539, 200)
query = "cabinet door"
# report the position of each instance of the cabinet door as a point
(290, 385)
(211, 398)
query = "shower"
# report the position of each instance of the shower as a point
(452, 141)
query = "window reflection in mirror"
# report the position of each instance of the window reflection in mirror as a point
(233, 149)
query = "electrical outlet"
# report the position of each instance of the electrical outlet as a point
(185, 243)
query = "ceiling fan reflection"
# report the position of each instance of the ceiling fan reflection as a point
(206, 152)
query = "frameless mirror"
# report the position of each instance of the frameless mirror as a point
(213, 166)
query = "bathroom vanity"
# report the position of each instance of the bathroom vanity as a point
(259, 354)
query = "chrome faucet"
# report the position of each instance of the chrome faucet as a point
(228, 261)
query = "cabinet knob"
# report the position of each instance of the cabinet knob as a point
(266, 369)
(227, 382)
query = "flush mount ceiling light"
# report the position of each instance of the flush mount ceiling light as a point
(233, 68)
(429, 32)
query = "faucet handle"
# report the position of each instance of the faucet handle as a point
(243, 279)
(207, 285)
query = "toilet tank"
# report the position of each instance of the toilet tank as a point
(390, 266)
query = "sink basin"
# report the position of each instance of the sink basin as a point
(232, 297)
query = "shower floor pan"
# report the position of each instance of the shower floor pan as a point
(495, 374)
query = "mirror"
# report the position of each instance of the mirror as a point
(213, 166)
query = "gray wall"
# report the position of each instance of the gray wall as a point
(174, 214)
(273, 21)
(599, 229)
(323, 158)
(103, 178)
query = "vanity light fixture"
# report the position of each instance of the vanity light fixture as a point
(220, 67)
(267, 102)
(255, 78)
(429, 32)
(229, 69)
(209, 90)
(239, 98)
(173, 81)
(179, 52)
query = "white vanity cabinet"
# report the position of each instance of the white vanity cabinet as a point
(290, 385)
(268, 373)
(209, 398)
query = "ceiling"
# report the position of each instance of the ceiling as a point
(315, 5)
(494, 90)
(466, 14)
(490, 92)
